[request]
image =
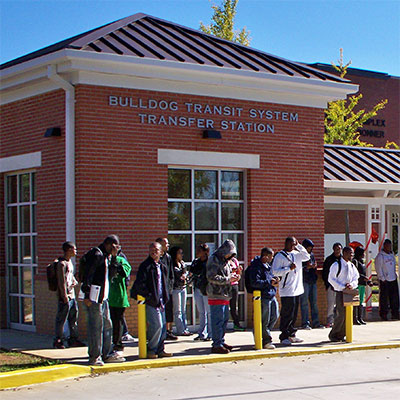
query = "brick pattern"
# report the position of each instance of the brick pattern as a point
(22, 131)
(121, 189)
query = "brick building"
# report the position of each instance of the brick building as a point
(146, 128)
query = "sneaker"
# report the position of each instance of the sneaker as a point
(207, 339)
(219, 350)
(238, 328)
(306, 327)
(286, 342)
(329, 325)
(58, 344)
(114, 357)
(186, 333)
(269, 346)
(295, 339)
(197, 338)
(151, 356)
(97, 362)
(128, 338)
(164, 354)
(76, 343)
(171, 336)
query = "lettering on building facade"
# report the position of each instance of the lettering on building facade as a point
(202, 115)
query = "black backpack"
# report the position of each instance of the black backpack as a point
(84, 262)
(51, 273)
(247, 283)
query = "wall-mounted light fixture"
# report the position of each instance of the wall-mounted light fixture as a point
(56, 131)
(211, 134)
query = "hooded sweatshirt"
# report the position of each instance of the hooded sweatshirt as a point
(291, 283)
(309, 274)
(385, 266)
(219, 273)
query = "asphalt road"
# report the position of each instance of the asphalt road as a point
(373, 374)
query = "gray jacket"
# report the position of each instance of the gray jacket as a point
(218, 272)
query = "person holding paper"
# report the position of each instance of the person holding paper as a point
(100, 265)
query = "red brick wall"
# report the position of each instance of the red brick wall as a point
(374, 89)
(335, 221)
(23, 125)
(121, 189)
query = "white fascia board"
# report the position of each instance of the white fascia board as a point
(208, 159)
(343, 200)
(204, 78)
(20, 162)
(194, 88)
(350, 185)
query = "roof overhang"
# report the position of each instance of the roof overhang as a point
(87, 67)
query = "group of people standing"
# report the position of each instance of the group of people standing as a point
(163, 277)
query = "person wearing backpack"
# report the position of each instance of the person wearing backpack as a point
(198, 275)
(260, 277)
(288, 264)
(67, 309)
(343, 276)
(97, 268)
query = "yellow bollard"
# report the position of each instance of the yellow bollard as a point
(142, 327)
(349, 324)
(257, 319)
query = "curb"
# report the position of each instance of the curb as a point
(32, 376)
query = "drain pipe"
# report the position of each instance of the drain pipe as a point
(69, 150)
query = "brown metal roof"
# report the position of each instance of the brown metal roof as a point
(144, 36)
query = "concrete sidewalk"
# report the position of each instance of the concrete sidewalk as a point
(374, 335)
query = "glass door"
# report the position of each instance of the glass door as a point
(21, 254)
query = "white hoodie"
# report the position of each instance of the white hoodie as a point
(385, 266)
(291, 283)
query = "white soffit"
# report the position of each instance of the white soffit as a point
(22, 161)
(208, 159)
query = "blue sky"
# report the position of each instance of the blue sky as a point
(299, 30)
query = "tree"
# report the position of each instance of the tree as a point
(222, 24)
(341, 121)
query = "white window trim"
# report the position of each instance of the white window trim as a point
(208, 159)
(20, 162)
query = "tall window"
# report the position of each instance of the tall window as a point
(206, 206)
(21, 249)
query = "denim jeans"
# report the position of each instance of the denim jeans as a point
(156, 329)
(270, 314)
(67, 312)
(204, 314)
(309, 295)
(179, 305)
(99, 330)
(219, 320)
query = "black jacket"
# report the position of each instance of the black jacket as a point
(167, 261)
(95, 270)
(146, 283)
(310, 274)
(362, 270)
(327, 266)
(260, 276)
(197, 268)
